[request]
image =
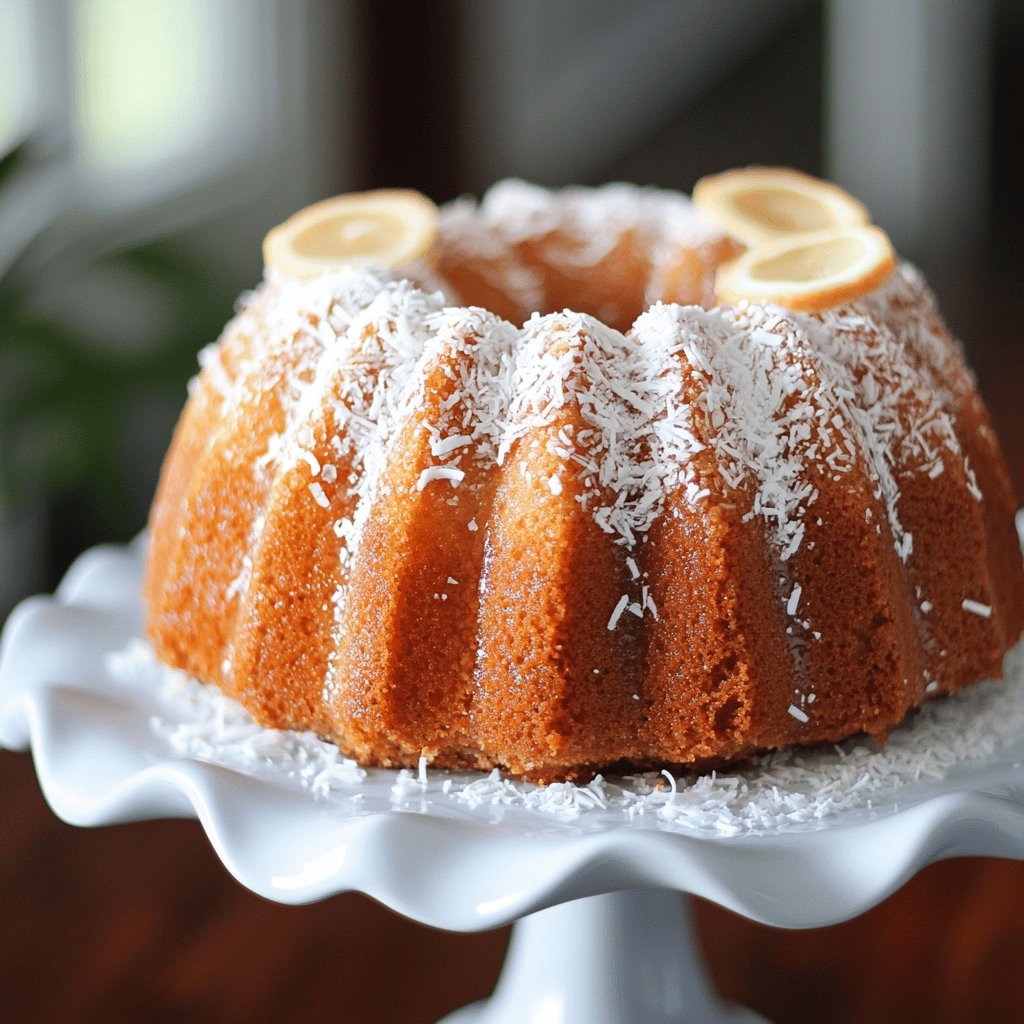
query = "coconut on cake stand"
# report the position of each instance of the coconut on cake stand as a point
(591, 874)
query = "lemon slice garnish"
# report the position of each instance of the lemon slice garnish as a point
(762, 204)
(810, 272)
(390, 228)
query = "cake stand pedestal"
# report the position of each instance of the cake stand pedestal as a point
(603, 934)
(622, 957)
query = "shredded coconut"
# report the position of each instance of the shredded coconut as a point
(204, 724)
(787, 789)
(449, 473)
(799, 714)
(976, 608)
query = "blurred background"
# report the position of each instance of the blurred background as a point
(146, 146)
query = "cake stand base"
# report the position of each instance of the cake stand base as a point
(620, 958)
(615, 945)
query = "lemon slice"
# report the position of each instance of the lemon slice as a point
(810, 272)
(762, 204)
(390, 228)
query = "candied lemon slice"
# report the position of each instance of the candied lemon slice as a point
(762, 204)
(810, 272)
(389, 227)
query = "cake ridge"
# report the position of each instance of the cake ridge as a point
(620, 388)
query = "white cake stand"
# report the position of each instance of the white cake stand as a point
(602, 935)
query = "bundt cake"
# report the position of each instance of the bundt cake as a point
(534, 497)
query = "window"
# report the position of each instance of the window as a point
(165, 114)
(15, 74)
(148, 89)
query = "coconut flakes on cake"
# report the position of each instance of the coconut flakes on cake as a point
(774, 414)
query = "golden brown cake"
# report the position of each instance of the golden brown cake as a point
(542, 503)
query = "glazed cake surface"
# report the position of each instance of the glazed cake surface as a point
(544, 505)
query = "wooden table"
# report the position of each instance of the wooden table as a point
(142, 923)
